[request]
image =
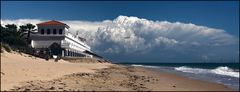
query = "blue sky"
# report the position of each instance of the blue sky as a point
(223, 15)
(216, 14)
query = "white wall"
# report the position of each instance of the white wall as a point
(43, 44)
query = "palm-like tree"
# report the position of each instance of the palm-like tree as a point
(29, 28)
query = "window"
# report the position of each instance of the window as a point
(48, 31)
(60, 31)
(54, 31)
(42, 31)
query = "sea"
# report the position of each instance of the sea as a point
(222, 73)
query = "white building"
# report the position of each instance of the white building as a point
(56, 32)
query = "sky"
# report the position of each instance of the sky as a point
(143, 31)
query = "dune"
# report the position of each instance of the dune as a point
(17, 68)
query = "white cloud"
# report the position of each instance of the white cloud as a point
(20, 21)
(127, 35)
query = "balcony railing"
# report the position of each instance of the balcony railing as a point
(65, 44)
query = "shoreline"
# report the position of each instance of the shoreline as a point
(223, 74)
(191, 79)
(121, 78)
(24, 73)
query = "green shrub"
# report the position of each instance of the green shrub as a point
(6, 47)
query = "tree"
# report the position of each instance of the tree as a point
(11, 27)
(2, 32)
(23, 29)
(29, 28)
(11, 36)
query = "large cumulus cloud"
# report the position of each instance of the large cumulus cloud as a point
(127, 38)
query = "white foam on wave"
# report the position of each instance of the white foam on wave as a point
(144, 66)
(219, 70)
(136, 65)
(191, 70)
(225, 71)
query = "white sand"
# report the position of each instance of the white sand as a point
(16, 68)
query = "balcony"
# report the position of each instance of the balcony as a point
(65, 44)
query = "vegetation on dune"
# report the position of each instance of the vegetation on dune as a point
(11, 36)
(6, 48)
(16, 39)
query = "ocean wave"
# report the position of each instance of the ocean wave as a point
(225, 71)
(191, 70)
(144, 66)
(219, 70)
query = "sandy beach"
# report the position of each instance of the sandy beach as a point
(23, 73)
(16, 68)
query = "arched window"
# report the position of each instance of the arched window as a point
(48, 31)
(60, 31)
(54, 31)
(42, 31)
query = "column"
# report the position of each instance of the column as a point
(63, 53)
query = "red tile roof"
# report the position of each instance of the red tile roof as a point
(52, 22)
